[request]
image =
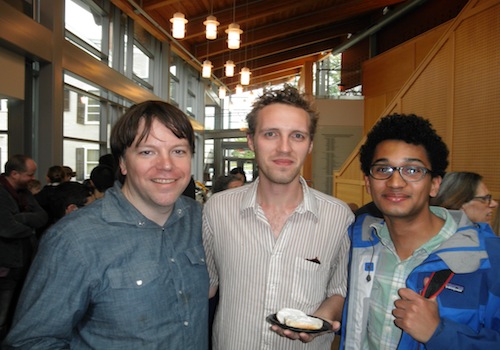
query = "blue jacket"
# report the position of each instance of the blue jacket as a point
(470, 305)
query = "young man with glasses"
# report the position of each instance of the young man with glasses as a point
(422, 277)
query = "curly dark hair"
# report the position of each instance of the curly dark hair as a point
(289, 95)
(411, 129)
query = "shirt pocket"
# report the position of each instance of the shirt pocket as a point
(310, 281)
(196, 255)
(130, 300)
(136, 277)
(195, 273)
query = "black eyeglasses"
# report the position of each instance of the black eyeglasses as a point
(483, 199)
(410, 173)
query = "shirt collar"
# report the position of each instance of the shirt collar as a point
(117, 208)
(308, 204)
(448, 229)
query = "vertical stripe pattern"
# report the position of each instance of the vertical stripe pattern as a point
(257, 275)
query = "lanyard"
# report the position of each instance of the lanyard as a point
(436, 283)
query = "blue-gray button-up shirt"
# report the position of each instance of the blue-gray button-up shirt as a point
(106, 277)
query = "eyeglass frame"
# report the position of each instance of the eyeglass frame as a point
(486, 199)
(424, 170)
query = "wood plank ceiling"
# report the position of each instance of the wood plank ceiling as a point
(278, 37)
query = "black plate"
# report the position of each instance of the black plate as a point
(272, 319)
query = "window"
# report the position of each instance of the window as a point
(174, 80)
(142, 61)
(84, 126)
(87, 110)
(85, 159)
(191, 103)
(327, 76)
(84, 26)
(4, 117)
(141, 64)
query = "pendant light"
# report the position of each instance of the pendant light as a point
(233, 36)
(245, 76)
(233, 32)
(206, 69)
(211, 24)
(229, 68)
(211, 27)
(239, 89)
(222, 92)
(178, 25)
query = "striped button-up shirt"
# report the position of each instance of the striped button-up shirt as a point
(257, 275)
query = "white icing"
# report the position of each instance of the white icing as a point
(298, 319)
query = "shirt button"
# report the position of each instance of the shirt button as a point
(139, 282)
(179, 211)
(141, 223)
(180, 292)
(186, 323)
(172, 260)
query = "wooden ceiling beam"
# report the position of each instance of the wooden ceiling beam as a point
(295, 24)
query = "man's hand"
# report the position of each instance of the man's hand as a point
(303, 337)
(416, 315)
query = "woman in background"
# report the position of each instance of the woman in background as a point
(468, 192)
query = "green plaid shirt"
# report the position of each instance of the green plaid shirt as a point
(390, 276)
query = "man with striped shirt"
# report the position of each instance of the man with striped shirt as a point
(276, 243)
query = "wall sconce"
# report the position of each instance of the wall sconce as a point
(211, 27)
(245, 76)
(229, 68)
(233, 36)
(178, 25)
(239, 89)
(222, 92)
(207, 69)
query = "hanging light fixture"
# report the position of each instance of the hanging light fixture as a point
(233, 32)
(229, 68)
(239, 89)
(233, 36)
(245, 76)
(178, 25)
(222, 92)
(206, 69)
(211, 27)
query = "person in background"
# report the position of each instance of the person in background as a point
(466, 191)
(70, 196)
(423, 277)
(240, 173)
(102, 177)
(127, 271)
(278, 243)
(34, 186)
(20, 216)
(225, 182)
(496, 223)
(55, 176)
(109, 160)
(190, 189)
(68, 173)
